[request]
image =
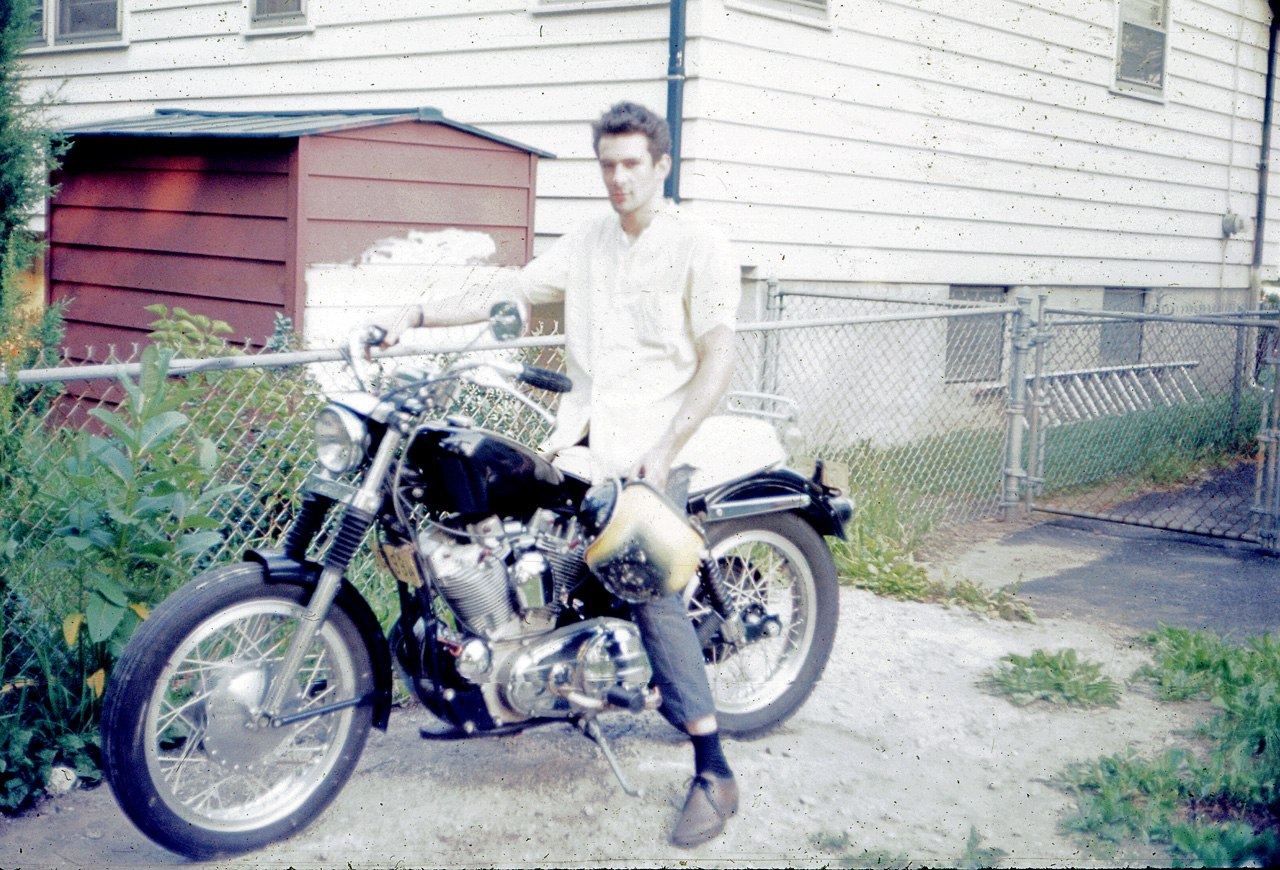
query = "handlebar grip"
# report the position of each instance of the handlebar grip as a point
(544, 379)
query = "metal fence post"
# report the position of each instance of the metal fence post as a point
(1266, 500)
(1015, 474)
(1040, 336)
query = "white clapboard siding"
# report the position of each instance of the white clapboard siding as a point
(877, 126)
(907, 141)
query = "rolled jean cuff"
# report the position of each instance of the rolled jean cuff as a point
(679, 669)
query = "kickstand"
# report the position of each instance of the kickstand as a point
(591, 727)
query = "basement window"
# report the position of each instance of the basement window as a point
(1120, 341)
(975, 345)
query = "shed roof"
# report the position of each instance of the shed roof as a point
(186, 123)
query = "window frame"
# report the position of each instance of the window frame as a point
(964, 364)
(1130, 85)
(555, 7)
(274, 22)
(48, 38)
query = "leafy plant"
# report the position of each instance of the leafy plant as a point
(193, 336)
(1217, 808)
(976, 855)
(259, 418)
(133, 505)
(47, 715)
(1060, 678)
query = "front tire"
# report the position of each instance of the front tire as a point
(777, 566)
(183, 750)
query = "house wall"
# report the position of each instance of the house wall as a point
(899, 147)
(926, 142)
(980, 142)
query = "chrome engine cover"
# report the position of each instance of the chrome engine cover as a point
(554, 674)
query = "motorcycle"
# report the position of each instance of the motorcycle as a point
(241, 705)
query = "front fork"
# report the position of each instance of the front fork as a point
(360, 512)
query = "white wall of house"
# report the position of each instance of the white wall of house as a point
(897, 147)
(930, 142)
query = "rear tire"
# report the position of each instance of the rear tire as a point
(776, 565)
(181, 745)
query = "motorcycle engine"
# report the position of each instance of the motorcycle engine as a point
(508, 583)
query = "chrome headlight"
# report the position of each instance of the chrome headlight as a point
(341, 439)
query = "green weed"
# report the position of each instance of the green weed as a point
(1219, 807)
(976, 855)
(1061, 678)
(886, 568)
(1160, 446)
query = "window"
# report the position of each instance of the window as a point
(60, 22)
(1140, 49)
(274, 13)
(815, 12)
(975, 345)
(1120, 341)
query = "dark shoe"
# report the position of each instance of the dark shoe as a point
(711, 800)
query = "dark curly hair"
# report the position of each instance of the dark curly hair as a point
(624, 118)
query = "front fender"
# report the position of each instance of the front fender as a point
(775, 491)
(281, 569)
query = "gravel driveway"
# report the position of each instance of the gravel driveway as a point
(898, 756)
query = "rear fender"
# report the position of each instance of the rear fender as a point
(776, 491)
(281, 569)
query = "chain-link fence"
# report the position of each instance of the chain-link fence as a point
(1149, 419)
(930, 414)
(868, 392)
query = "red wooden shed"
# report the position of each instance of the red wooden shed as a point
(221, 213)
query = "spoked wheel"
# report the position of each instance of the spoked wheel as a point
(780, 572)
(187, 752)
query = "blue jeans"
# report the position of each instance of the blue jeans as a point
(679, 670)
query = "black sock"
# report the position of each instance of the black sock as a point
(708, 755)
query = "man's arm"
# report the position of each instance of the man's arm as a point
(541, 280)
(472, 308)
(709, 384)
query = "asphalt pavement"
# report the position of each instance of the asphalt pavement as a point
(1131, 576)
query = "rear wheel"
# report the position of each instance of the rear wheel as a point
(185, 749)
(778, 570)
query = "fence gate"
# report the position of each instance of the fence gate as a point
(1152, 420)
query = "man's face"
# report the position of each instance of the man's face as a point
(632, 178)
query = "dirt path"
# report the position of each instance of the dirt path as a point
(896, 757)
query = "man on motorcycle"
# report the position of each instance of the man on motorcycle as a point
(650, 298)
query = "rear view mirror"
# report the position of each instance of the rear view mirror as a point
(505, 322)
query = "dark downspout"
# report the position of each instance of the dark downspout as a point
(1264, 151)
(675, 92)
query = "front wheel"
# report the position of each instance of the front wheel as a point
(187, 753)
(779, 573)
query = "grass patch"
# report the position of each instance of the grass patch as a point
(1061, 678)
(1161, 446)
(1216, 807)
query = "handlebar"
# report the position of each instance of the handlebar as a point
(358, 344)
(361, 340)
(545, 379)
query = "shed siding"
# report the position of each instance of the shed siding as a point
(375, 183)
(200, 225)
(911, 141)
